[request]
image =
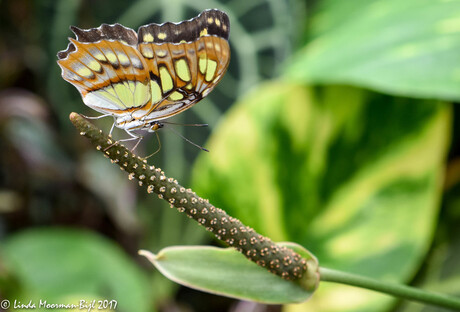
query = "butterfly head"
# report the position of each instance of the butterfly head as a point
(154, 126)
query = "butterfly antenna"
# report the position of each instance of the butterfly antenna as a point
(194, 144)
(186, 125)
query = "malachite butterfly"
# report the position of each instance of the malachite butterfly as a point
(145, 77)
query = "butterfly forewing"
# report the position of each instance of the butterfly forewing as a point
(154, 74)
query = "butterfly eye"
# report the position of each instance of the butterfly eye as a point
(155, 126)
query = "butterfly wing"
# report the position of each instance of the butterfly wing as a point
(153, 76)
(107, 69)
(185, 60)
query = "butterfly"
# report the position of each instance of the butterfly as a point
(145, 77)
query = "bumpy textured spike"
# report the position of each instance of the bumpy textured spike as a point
(279, 260)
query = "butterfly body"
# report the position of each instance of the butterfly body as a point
(144, 77)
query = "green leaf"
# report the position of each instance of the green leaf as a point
(401, 47)
(351, 175)
(225, 271)
(64, 266)
(441, 270)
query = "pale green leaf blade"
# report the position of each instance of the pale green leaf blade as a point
(226, 272)
(406, 48)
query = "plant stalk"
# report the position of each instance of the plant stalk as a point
(401, 291)
(277, 259)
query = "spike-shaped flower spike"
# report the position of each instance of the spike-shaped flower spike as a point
(277, 259)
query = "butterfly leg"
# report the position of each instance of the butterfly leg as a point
(96, 117)
(133, 137)
(113, 127)
(139, 139)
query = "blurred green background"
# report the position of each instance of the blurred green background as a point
(335, 127)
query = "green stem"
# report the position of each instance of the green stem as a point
(401, 291)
